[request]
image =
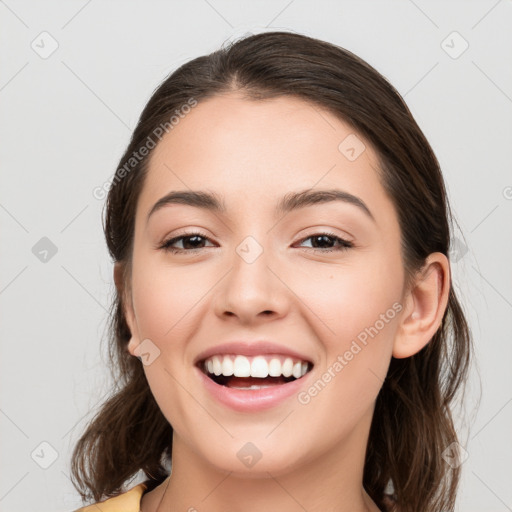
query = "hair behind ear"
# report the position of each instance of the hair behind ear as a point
(129, 433)
(414, 401)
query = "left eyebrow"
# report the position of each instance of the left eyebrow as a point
(292, 201)
(308, 197)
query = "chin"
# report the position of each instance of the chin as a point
(253, 459)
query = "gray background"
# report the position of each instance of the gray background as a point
(67, 117)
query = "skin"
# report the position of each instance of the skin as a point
(252, 153)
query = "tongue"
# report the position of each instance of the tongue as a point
(244, 382)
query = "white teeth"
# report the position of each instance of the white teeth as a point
(297, 370)
(254, 386)
(274, 368)
(287, 367)
(242, 367)
(228, 367)
(257, 367)
(217, 366)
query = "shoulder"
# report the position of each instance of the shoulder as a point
(128, 501)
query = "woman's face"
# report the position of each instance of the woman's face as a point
(271, 282)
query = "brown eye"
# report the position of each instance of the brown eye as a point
(189, 242)
(326, 242)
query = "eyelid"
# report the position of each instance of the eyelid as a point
(344, 235)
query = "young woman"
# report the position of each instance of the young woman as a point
(285, 330)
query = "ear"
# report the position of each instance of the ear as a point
(126, 301)
(425, 307)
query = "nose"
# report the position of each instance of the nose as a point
(252, 291)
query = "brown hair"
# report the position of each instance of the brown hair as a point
(412, 422)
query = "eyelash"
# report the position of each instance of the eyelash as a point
(166, 246)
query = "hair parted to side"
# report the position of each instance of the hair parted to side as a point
(412, 423)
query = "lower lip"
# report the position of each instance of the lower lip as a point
(252, 400)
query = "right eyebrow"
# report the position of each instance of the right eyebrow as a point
(206, 200)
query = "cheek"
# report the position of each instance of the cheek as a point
(346, 300)
(164, 299)
(166, 303)
(354, 311)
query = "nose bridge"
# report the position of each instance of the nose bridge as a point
(251, 287)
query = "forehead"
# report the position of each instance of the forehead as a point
(255, 151)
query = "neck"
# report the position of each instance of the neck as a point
(331, 481)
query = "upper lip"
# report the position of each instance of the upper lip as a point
(250, 348)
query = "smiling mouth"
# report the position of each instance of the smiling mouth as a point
(241, 372)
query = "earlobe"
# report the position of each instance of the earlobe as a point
(132, 345)
(426, 305)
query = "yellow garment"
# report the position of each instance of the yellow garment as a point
(128, 501)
